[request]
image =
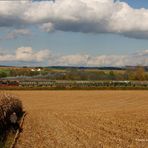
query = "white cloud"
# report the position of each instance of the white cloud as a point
(47, 27)
(47, 57)
(72, 60)
(6, 57)
(27, 54)
(16, 33)
(87, 16)
(88, 60)
(138, 58)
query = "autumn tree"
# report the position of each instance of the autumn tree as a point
(140, 73)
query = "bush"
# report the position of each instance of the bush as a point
(8, 104)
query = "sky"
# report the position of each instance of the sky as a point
(74, 33)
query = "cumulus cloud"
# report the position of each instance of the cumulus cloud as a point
(6, 57)
(89, 60)
(47, 27)
(15, 34)
(138, 58)
(47, 57)
(26, 54)
(87, 16)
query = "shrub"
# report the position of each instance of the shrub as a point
(8, 104)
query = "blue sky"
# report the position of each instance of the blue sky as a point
(137, 3)
(68, 39)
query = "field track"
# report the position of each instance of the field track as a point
(84, 119)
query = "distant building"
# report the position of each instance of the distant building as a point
(39, 69)
(36, 69)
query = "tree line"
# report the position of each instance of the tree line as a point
(138, 73)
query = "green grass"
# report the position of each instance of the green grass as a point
(9, 140)
(7, 71)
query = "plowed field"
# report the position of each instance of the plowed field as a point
(84, 119)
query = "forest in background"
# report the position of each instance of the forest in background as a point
(73, 73)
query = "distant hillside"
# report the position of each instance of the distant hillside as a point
(80, 67)
(99, 68)
(134, 67)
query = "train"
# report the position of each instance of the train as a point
(5, 83)
(71, 84)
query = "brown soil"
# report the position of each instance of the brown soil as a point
(84, 119)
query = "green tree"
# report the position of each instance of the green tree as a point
(3, 75)
(129, 75)
(112, 75)
(140, 73)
